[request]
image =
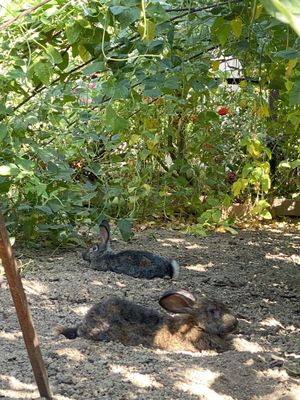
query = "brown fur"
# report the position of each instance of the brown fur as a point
(204, 324)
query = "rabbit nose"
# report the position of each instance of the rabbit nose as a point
(85, 255)
(234, 324)
(230, 322)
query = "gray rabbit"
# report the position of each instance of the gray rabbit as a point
(203, 324)
(136, 263)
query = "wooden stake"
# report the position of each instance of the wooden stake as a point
(23, 312)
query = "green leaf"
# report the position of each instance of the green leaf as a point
(221, 29)
(172, 83)
(199, 229)
(150, 32)
(120, 92)
(114, 121)
(65, 61)
(147, 32)
(216, 215)
(295, 164)
(43, 71)
(284, 164)
(237, 27)
(230, 230)
(294, 118)
(266, 183)
(54, 54)
(288, 54)
(44, 209)
(25, 164)
(255, 148)
(266, 214)
(227, 201)
(73, 32)
(125, 227)
(295, 94)
(3, 131)
(287, 11)
(239, 186)
(97, 66)
(117, 10)
(83, 52)
(130, 15)
(9, 170)
(154, 92)
(260, 206)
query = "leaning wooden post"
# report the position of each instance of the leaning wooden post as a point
(23, 312)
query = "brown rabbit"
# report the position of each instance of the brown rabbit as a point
(203, 325)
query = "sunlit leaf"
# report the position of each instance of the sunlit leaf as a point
(287, 11)
(9, 170)
(236, 26)
(43, 70)
(73, 32)
(54, 54)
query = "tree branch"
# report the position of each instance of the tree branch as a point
(133, 37)
(23, 14)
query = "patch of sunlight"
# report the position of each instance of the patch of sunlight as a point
(277, 257)
(15, 384)
(273, 373)
(97, 283)
(194, 246)
(81, 310)
(23, 394)
(200, 267)
(197, 382)
(34, 287)
(59, 397)
(296, 259)
(71, 354)
(295, 394)
(10, 335)
(172, 240)
(271, 322)
(166, 355)
(3, 6)
(13, 394)
(136, 378)
(243, 345)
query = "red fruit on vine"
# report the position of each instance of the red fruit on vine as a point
(223, 111)
(231, 177)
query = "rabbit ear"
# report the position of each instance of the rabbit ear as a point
(104, 230)
(177, 301)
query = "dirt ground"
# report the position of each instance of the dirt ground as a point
(256, 273)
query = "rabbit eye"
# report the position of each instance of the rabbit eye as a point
(213, 312)
(95, 247)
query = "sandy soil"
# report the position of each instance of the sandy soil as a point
(256, 273)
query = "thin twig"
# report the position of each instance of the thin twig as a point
(35, 92)
(23, 14)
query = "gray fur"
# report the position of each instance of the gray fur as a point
(203, 323)
(136, 263)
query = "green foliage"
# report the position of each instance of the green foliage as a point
(287, 11)
(121, 108)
